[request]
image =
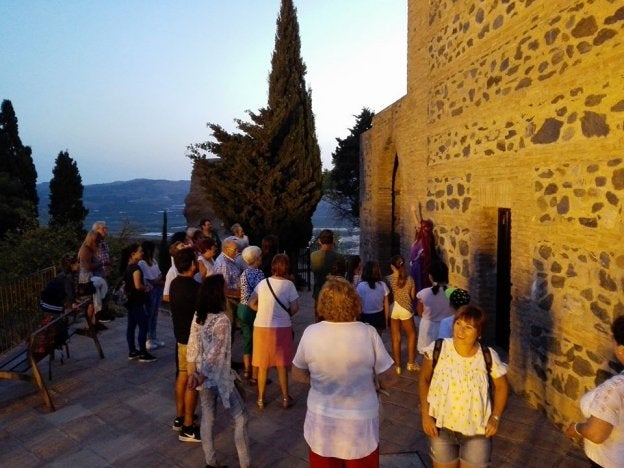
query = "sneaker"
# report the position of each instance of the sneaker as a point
(151, 345)
(104, 317)
(179, 422)
(189, 434)
(146, 357)
(133, 354)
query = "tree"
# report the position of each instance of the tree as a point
(268, 175)
(344, 184)
(66, 189)
(18, 177)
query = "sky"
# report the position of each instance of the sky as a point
(126, 85)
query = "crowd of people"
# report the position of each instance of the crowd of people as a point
(215, 286)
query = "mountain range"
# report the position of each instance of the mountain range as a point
(141, 203)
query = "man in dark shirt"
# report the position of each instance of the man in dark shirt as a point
(182, 294)
(323, 262)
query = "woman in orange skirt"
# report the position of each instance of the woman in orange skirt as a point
(276, 301)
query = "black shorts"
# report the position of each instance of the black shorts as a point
(376, 319)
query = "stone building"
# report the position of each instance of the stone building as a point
(510, 139)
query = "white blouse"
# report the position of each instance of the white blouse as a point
(343, 410)
(458, 395)
(606, 402)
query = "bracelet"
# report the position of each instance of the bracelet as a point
(497, 418)
(577, 431)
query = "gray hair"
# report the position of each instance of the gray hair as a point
(251, 254)
(97, 225)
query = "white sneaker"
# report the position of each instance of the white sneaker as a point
(151, 345)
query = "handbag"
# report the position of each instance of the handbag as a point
(287, 309)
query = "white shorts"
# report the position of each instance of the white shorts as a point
(399, 312)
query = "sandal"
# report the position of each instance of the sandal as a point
(287, 402)
(413, 367)
(260, 404)
(247, 374)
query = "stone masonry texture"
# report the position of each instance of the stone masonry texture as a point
(514, 104)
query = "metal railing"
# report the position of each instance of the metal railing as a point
(19, 307)
(301, 268)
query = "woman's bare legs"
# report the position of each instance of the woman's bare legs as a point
(410, 331)
(395, 333)
(282, 376)
(262, 377)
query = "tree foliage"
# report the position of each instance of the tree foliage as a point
(344, 178)
(18, 177)
(66, 207)
(267, 176)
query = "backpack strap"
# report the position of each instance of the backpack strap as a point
(436, 352)
(487, 357)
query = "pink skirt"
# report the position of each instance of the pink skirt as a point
(272, 347)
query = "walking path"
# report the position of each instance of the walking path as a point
(115, 412)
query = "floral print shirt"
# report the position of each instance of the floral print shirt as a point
(210, 348)
(458, 395)
(249, 280)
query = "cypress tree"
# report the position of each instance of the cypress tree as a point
(344, 178)
(66, 207)
(268, 175)
(18, 177)
(164, 260)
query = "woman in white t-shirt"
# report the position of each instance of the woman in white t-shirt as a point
(603, 431)
(339, 358)
(433, 305)
(374, 295)
(276, 300)
(458, 415)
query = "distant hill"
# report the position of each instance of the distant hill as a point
(139, 201)
(142, 202)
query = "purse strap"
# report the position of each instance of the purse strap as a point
(287, 309)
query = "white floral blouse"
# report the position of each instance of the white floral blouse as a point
(458, 394)
(210, 348)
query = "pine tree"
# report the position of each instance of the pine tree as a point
(66, 207)
(268, 176)
(344, 183)
(18, 177)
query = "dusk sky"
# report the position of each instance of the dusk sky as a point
(126, 85)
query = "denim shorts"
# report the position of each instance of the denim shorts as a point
(451, 446)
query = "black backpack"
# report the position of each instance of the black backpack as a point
(487, 356)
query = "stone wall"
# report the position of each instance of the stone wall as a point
(518, 105)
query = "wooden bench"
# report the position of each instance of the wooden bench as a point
(16, 362)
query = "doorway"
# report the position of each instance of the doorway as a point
(395, 243)
(503, 278)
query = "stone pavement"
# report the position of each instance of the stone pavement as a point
(115, 412)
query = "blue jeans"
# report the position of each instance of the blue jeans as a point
(153, 306)
(451, 446)
(239, 414)
(137, 315)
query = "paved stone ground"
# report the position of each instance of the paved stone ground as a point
(115, 412)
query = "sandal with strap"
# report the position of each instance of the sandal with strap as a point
(288, 402)
(413, 367)
(260, 404)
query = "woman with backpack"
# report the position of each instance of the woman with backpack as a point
(463, 393)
